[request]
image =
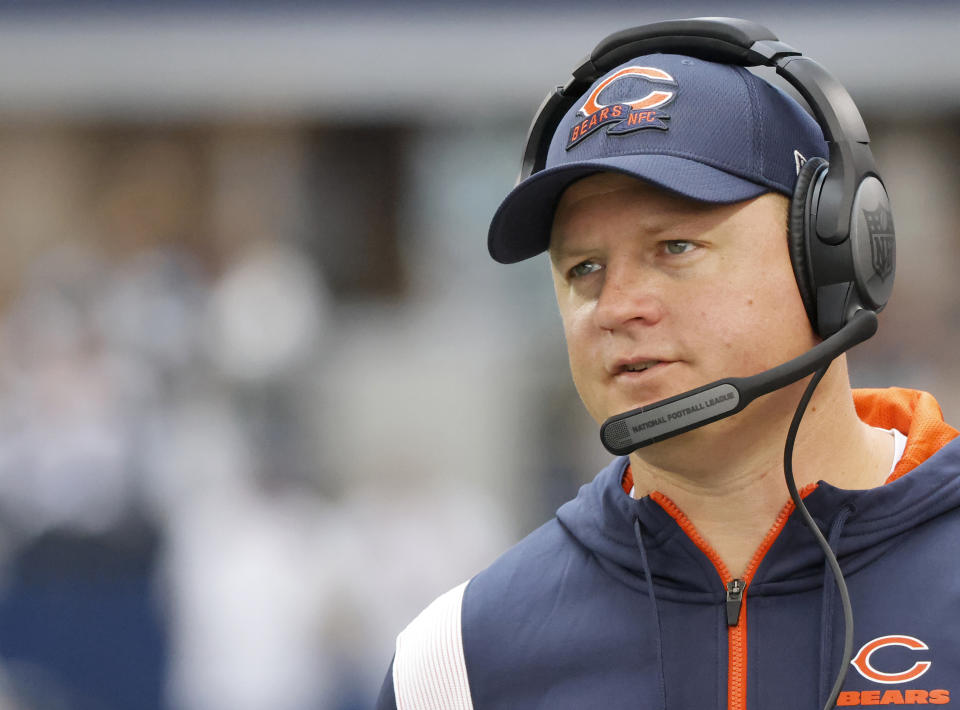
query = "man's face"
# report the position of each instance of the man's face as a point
(660, 294)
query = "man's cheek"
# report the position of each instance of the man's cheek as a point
(587, 375)
(586, 360)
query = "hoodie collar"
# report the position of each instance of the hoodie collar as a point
(911, 412)
(602, 515)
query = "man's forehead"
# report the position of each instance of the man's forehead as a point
(607, 182)
(605, 192)
(653, 209)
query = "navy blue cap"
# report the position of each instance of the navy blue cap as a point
(711, 132)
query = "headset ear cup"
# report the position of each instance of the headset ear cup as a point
(797, 234)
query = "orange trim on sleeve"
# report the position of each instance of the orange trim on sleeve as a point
(911, 412)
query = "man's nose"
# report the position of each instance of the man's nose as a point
(629, 295)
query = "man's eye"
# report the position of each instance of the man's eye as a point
(678, 246)
(583, 268)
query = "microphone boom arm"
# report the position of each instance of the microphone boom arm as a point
(624, 433)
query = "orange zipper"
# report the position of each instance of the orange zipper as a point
(736, 634)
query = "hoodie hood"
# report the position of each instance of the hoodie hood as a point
(602, 516)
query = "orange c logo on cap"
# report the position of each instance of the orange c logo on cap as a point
(862, 660)
(652, 100)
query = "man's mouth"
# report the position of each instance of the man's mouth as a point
(639, 366)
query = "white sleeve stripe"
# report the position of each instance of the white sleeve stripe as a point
(430, 670)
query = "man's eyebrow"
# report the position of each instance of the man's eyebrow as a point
(564, 253)
(674, 229)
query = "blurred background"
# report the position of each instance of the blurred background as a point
(263, 394)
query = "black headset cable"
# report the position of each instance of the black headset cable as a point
(821, 540)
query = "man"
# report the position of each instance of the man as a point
(681, 577)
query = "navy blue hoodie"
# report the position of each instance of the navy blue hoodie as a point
(568, 618)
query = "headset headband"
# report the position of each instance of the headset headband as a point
(731, 41)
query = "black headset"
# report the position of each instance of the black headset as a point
(841, 234)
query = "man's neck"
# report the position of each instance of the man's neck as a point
(728, 478)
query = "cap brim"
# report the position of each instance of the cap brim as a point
(521, 226)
